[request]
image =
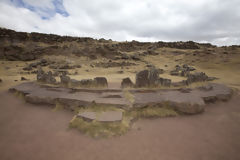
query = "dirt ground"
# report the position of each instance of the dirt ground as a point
(30, 132)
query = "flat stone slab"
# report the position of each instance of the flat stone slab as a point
(188, 101)
(108, 116)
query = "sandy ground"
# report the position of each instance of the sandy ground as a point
(30, 132)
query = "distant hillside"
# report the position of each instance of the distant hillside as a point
(29, 46)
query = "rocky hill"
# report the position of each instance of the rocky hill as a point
(29, 46)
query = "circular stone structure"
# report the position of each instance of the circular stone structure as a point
(107, 116)
(188, 101)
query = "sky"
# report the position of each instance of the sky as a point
(213, 21)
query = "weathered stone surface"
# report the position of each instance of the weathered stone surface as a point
(108, 116)
(189, 101)
(126, 83)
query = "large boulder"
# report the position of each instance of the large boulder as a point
(100, 82)
(126, 83)
(153, 76)
(147, 78)
(142, 78)
(197, 77)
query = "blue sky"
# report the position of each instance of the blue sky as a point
(45, 12)
(214, 21)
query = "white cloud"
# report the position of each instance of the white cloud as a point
(40, 3)
(215, 21)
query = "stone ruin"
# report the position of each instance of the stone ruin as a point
(150, 78)
(45, 77)
(67, 81)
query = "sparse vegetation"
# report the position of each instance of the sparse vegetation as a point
(100, 129)
(109, 129)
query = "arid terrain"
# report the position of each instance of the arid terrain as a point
(42, 131)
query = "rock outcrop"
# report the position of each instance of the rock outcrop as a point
(12, 47)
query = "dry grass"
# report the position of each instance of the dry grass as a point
(99, 129)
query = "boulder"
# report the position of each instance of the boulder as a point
(23, 79)
(126, 83)
(75, 83)
(197, 77)
(28, 68)
(153, 76)
(174, 73)
(142, 78)
(147, 78)
(64, 79)
(101, 82)
(45, 77)
(164, 82)
(86, 82)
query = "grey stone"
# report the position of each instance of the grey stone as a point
(86, 82)
(23, 79)
(142, 78)
(101, 81)
(126, 83)
(191, 102)
(164, 82)
(64, 79)
(174, 73)
(45, 77)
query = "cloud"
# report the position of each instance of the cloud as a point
(215, 21)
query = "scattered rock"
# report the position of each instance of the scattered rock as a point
(174, 73)
(114, 64)
(86, 82)
(120, 72)
(23, 79)
(28, 68)
(136, 57)
(126, 83)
